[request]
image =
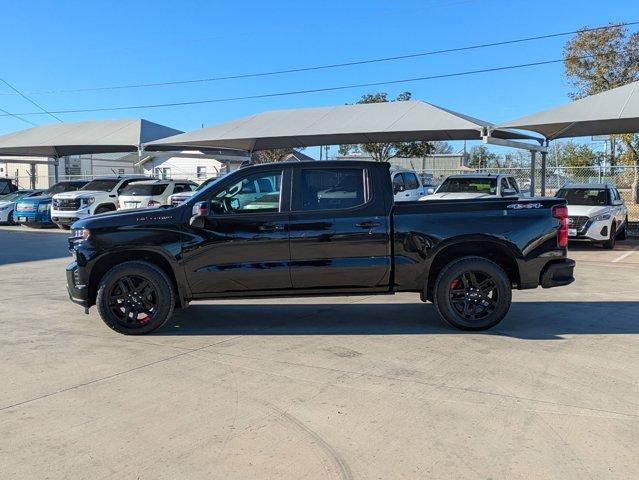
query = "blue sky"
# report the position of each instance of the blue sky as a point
(77, 44)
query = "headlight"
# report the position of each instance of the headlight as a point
(88, 200)
(44, 207)
(81, 234)
(599, 218)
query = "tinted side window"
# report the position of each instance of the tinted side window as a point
(504, 184)
(513, 184)
(4, 188)
(410, 179)
(329, 189)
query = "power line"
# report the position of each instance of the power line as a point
(9, 114)
(302, 92)
(29, 100)
(337, 65)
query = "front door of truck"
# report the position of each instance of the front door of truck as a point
(339, 231)
(244, 243)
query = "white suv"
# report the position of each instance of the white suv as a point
(596, 213)
(152, 193)
(407, 187)
(97, 196)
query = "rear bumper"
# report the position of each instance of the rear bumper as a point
(78, 292)
(558, 274)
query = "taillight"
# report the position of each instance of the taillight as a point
(561, 212)
(154, 203)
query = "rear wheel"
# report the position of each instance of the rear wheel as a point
(612, 239)
(135, 298)
(472, 293)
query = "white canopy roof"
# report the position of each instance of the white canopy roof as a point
(103, 136)
(344, 124)
(610, 112)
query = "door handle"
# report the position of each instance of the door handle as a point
(368, 224)
(270, 227)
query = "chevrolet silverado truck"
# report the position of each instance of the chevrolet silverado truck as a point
(296, 239)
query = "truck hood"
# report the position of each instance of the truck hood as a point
(586, 210)
(79, 193)
(129, 218)
(37, 200)
(456, 196)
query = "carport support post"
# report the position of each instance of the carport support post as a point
(543, 173)
(56, 173)
(533, 161)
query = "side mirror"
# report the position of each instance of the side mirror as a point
(199, 214)
(397, 189)
(508, 192)
(617, 203)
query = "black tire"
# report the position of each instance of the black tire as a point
(623, 233)
(131, 289)
(10, 220)
(472, 293)
(612, 239)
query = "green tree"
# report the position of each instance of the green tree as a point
(480, 157)
(382, 152)
(598, 60)
(571, 154)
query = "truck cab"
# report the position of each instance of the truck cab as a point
(469, 186)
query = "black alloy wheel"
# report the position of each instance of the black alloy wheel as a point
(472, 293)
(135, 298)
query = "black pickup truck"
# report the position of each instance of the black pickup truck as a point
(317, 228)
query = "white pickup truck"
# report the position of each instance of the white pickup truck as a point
(470, 186)
(98, 196)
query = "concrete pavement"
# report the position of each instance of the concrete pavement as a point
(352, 387)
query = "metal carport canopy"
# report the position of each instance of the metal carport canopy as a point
(101, 136)
(344, 124)
(615, 111)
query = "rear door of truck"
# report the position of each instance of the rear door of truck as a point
(339, 228)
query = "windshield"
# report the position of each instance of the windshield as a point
(101, 185)
(469, 185)
(144, 189)
(593, 197)
(61, 187)
(207, 183)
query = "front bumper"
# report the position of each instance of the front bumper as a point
(558, 274)
(78, 292)
(593, 231)
(32, 217)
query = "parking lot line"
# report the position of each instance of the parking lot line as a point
(625, 255)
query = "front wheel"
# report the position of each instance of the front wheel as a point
(472, 293)
(612, 239)
(623, 233)
(10, 220)
(135, 298)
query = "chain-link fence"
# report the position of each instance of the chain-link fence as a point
(556, 177)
